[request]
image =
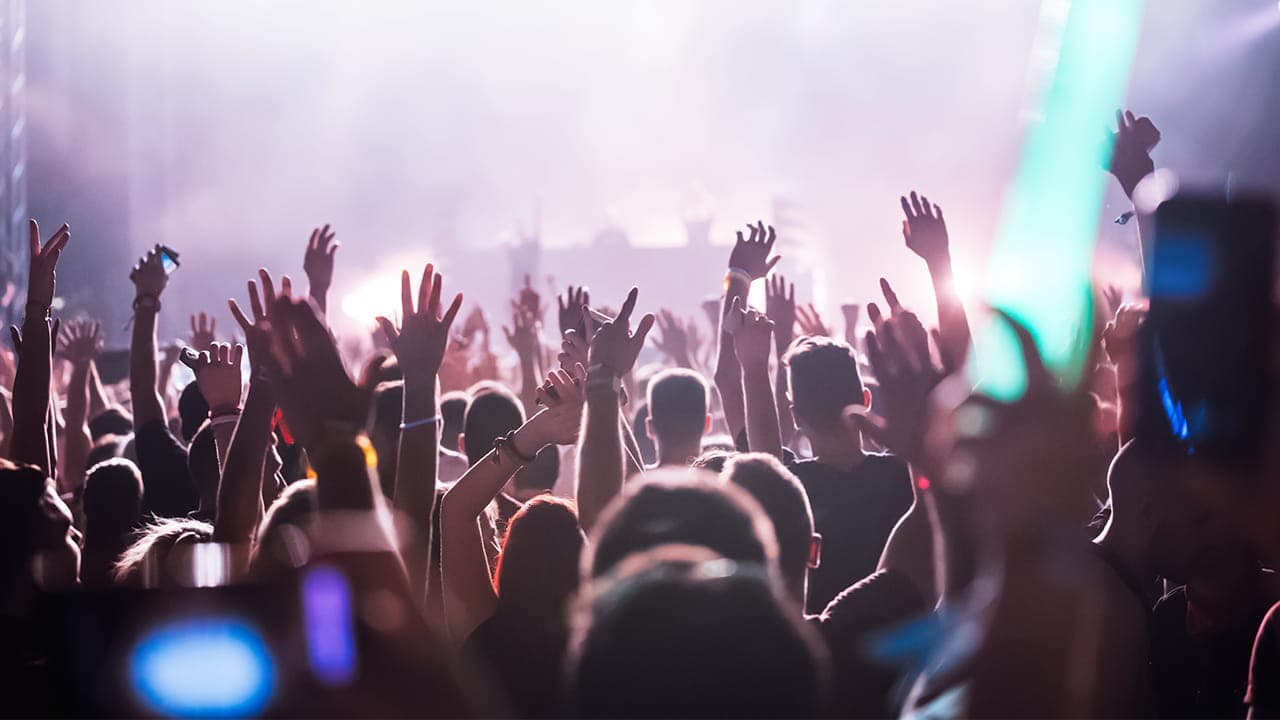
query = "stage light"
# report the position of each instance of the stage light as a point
(203, 667)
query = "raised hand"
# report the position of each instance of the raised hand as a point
(673, 339)
(1120, 340)
(614, 347)
(752, 331)
(148, 276)
(573, 351)
(80, 341)
(317, 262)
(475, 323)
(41, 282)
(810, 321)
(315, 392)
(522, 334)
(563, 397)
(530, 301)
(898, 350)
(569, 306)
(851, 313)
(924, 229)
(1131, 147)
(780, 306)
(751, 256)
(218, 375)
(420, 341)
(203, 331)
(257, 332)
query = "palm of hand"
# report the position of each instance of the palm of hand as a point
(752, 254)
(927, 236)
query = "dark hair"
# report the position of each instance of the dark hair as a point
(492, 413)
(453, 408)
(104, 448)
(823, 378)
(678, 404)
(112, 501)
(21, 517)
(712, 460)
(192, 410)
(784, 500)
(384, 431)
(682, 506)
(689, 636)
(541, 474)
(537, 570)
(111, 421)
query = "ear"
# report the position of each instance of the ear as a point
(866, 398)
(462, 443)
(815, 551)
(648, 429)
(706, 425)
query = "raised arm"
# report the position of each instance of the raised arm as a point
(149, 281)
(523, 336)
(672, 340)
(240, 494)
(317, 263)
(469, 597)
(749, 261)
(34, 348)
(1131, 161)
(601, 466)
(81, 341)
(780, 306)
(419, 344)
(925, 231)
(752, 335)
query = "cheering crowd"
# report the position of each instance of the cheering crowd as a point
(784, 522)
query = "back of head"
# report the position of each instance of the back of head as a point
(823, 378)
(453, 409)
(678, 634)
(281, 542)
(685, 507)
(384, 430)
(111, 421)
(104, 448)
(148, 562)
(537, 570)
(678, 405)
(538, 476)
(192, 410)
(21, 521)
(784, 500)
(112, 500)
(493, 412)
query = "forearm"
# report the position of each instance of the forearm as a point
(528, 383)
(143, 391)
(240, 491)
(320, 295)
(786, 423)
(342, 466)
(97, 393)
(415, 482)
(763, 434)
(78, 440)
(31, 395)
(953, 323)
(600, 463)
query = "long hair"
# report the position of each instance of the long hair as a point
(537, 571)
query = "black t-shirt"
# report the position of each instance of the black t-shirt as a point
(1204, 674)
(861, 685)
(854, 511)
(524, 661)
(1263, 696)
(168, 490)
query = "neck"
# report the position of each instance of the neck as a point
(839, 448)
(678, 453)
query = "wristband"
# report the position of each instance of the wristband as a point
(146, 301)
(736, 274)
(507, 443)
(411, 424)
(224, 419)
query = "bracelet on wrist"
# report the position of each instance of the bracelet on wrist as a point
(146, 301)
(507, 444)
(411, 424)
(735, 273)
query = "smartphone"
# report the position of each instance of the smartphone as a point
(1205, 347)
(168, 259)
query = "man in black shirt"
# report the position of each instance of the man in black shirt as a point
(856, 497)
